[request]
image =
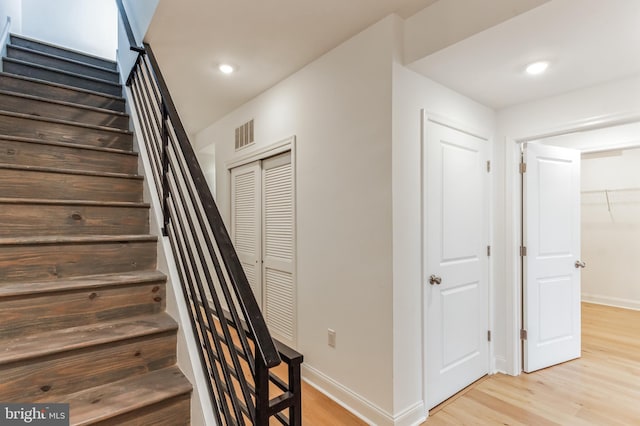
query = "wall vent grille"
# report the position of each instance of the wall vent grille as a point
(244, 135)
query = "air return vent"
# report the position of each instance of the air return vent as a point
(244, 135)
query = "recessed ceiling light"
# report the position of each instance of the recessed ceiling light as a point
(226, 68)
(537, 67)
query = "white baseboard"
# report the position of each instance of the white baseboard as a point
(611, 301)
(500, 365)
(412, 416)
(360, 406)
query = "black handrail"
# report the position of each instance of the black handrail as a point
(247, 301)
(237, 349)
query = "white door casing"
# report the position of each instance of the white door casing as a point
(456, 217)
(246, 205)
(551, 235)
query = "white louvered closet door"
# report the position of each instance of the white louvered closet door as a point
(278, 228)
(246, 219)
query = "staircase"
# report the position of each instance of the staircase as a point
(82, 306)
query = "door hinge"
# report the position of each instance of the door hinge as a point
(488, 250)
(523, 168)
(488, 166)
(523, 334)
(488, 335)
(523, 251)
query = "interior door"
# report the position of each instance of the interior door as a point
(456, 264)
(278, 248)
(551, 268)
(246, 219)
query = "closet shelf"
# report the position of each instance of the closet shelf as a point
(598, 191)
(611, 196)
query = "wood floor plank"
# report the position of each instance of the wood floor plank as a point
(600, 388)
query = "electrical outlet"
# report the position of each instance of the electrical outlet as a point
(331, 338)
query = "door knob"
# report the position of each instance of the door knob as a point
(580, 264)
(434, 279)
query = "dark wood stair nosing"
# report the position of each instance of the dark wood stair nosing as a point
(69, 73)
(62, 86)
(54, 202)
(73, 284)
(68, 49)
(4, 166)
(62, 58)
(66, 122)
(63, 103)
(67, 145)
(165, 325)
(84, 239)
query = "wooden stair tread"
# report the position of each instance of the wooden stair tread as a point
(62, 58)
(69, 339)
(66, 122)
(67, 145)
(85, 320)
(64, 103)
(4, 200)
(60, 71)
(22, 38)
(55, 239)
(14, 289)
(69, 171)
(107, 401)
(60, 85)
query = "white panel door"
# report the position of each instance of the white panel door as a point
(246, 205)
(456, 264)
(551, 304)
(278, 247)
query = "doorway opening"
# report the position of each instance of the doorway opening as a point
(609, 206)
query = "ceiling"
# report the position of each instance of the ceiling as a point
(266, 40)
(586, 41)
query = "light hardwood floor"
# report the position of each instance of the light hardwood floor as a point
(600, 388)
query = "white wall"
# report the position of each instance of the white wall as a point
(10, 21)
(13, 9)
(339, 109)
(87, 26)
(139, 13)
(611, 231)
(411, 93)
(606, 102)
